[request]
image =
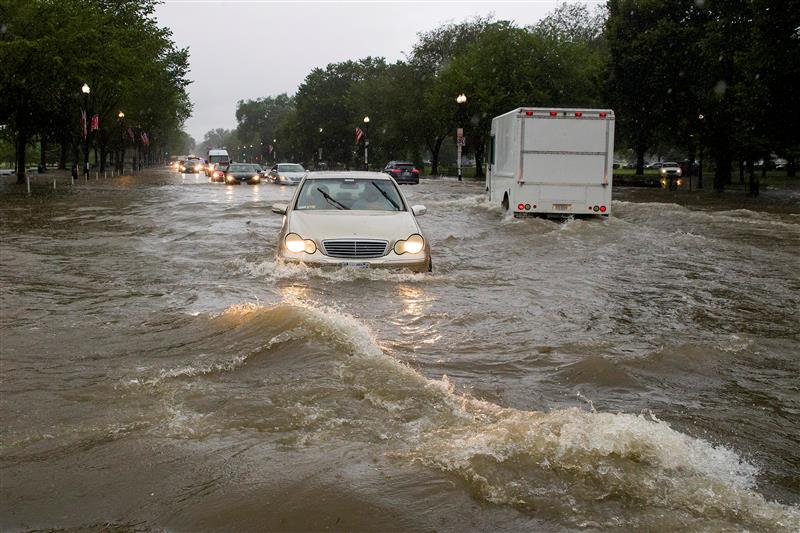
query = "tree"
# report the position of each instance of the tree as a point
(49, 49)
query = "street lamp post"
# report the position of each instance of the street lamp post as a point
(701, 118)
(366, 143)
(121, 159)
(461, 99)
(86, 117)
(275, 150)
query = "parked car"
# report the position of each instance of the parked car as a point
(402, 171)
(287, 173)
(242, 172)
(352, 220)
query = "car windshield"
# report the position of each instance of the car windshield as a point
(349, 193)
(291, 167)
(217, 158)
(404, 166)
(243, 168)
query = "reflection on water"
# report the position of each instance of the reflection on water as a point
(150, 336)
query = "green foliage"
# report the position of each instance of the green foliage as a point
(50, 48)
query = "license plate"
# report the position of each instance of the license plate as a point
(562, 207)
(354, 265)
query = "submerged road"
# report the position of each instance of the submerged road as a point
(161, 370)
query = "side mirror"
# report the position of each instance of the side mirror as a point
(419, 210)
(279, 208)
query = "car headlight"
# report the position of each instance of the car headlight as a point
(230, 178)
(281, 178)
(413, 245)
(256, 177)
(663, 170)
(680, 172)
(296, 244)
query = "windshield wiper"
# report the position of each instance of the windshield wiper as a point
(331, 201)
(397, 207)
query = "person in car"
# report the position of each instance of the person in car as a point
(370, 200)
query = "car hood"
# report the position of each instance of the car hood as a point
(321, 225)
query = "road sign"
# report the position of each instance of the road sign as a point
(460, 139)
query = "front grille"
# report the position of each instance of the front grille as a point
(355, 249)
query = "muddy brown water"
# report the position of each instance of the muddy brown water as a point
(160, 371)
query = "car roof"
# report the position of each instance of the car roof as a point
(355, 174)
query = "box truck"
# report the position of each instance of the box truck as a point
(552, 162)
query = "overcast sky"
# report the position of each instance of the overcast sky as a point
(243, 49)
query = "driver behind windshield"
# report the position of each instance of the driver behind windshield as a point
(347, 194)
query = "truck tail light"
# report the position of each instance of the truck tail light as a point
(603, 114)
(553, 113)
(528, 113)
(578, 114)
(602, 209)
(520, 207)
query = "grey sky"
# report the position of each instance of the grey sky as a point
(244, 49)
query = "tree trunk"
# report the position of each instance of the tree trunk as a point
(62, 157)
(102, 156)
(640, 150)
(43, 153)
(21, 144)
(791, 166)
(479, 149)
(722, 176)
(751, 173)
(435, 149)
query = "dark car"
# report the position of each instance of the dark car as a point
(243, 172)
(402, 171)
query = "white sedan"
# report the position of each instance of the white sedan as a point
(352, 219)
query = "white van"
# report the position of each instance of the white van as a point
(552, 162)
(216, 156)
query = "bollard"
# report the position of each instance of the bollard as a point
(105, 174)
(28, 182)
(54, 184)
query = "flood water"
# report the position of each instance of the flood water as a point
(160, 371)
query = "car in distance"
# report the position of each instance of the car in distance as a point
(352, 220)
(242, 173)
(287, 173)
(217, 171)
(402, 171)
(191, 165)
(671, 175)
(216, 156)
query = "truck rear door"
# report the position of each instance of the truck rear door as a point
(565, 150)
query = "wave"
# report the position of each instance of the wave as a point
(277, 270)
(569, 464)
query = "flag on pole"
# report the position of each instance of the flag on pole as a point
(83, 123)
(95, 122)
(145, 139)
(359, 134)
(269, 149)
(130, 134)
